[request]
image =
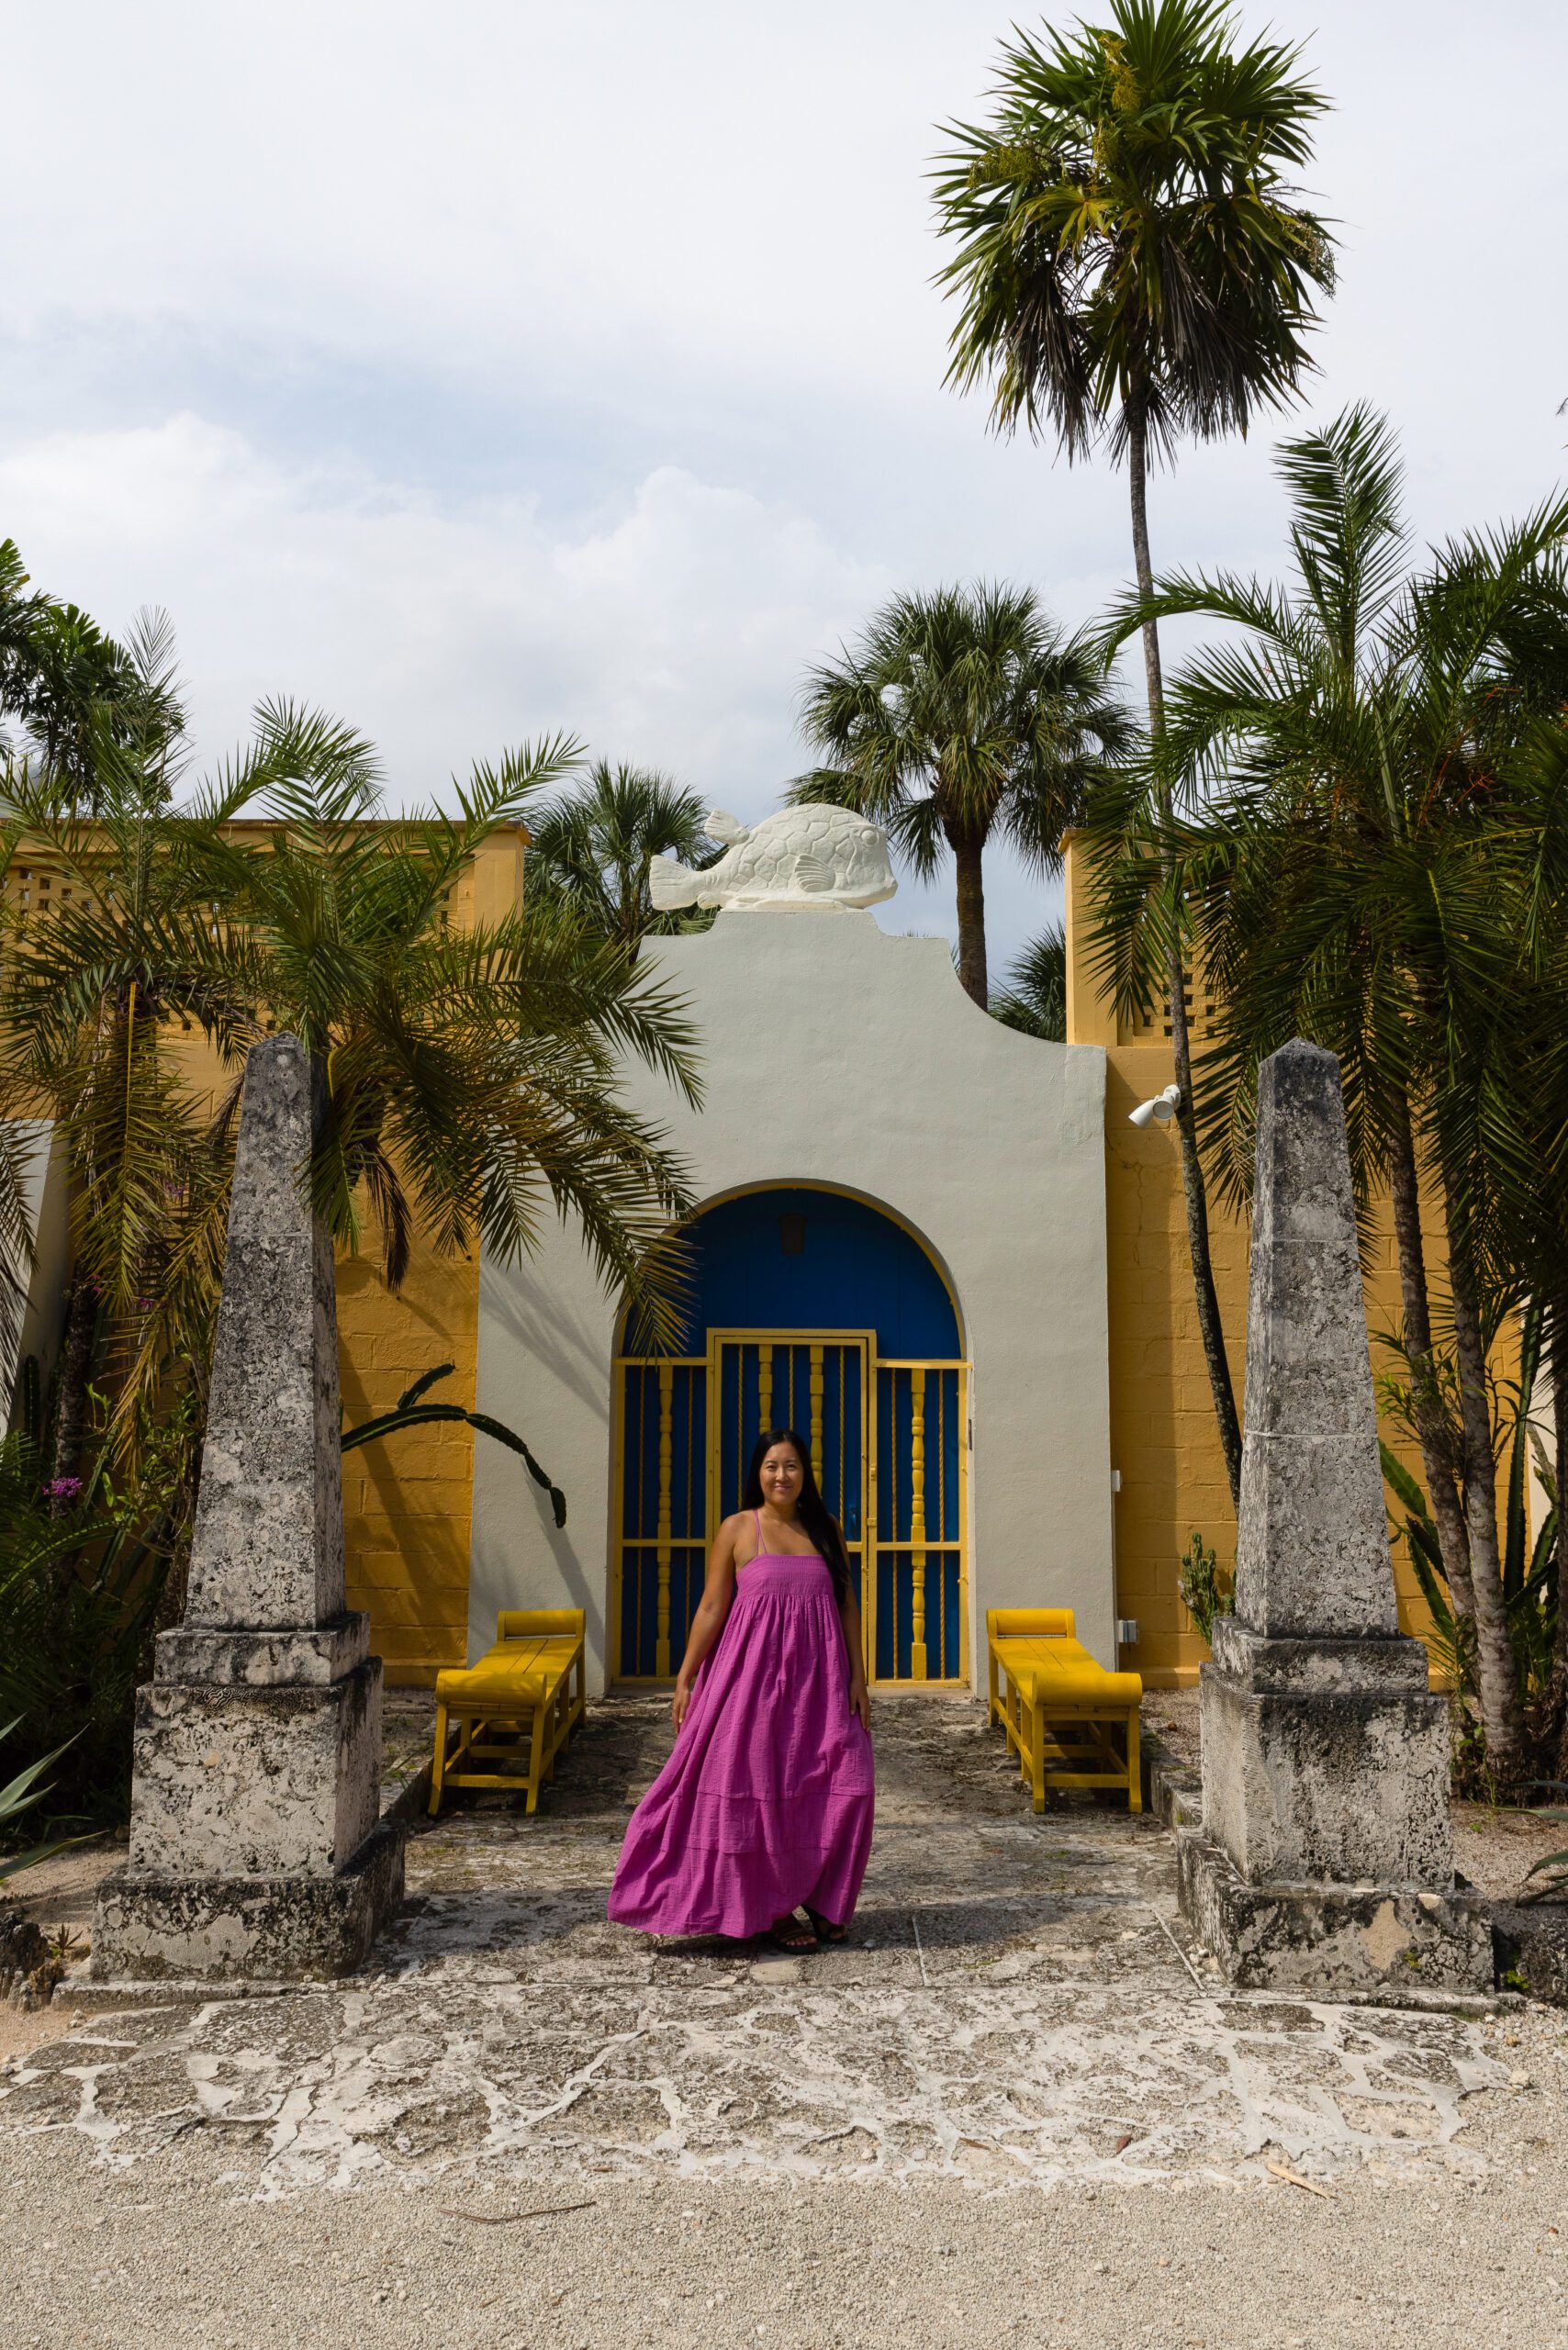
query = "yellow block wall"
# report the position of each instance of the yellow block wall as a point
(1164, 1439)
(408, 1499)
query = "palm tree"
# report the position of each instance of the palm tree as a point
(80, 697)
(1357, 755)
(959, 715)
(472, 1074)
(1133, 266)
(99, 971)
(592, 850)
(1034, 995)
(1521, 1096)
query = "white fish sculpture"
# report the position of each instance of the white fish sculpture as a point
(800, 857)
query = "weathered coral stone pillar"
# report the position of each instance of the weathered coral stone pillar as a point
(256, 1846)
(1325, 1856)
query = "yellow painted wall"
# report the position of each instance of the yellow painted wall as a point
(408, 1500)
(1164, 1441)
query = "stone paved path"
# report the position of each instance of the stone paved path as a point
(1017, 2008)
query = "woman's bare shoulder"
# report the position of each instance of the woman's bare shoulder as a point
(732, 1525)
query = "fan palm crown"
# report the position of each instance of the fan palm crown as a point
(591, 849)
(1132, 258)
(959, 716)
(1032, 996)
(1133, 262)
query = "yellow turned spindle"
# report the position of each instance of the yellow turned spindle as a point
(764, 1385)
(662, 1667)
(817, 1413)
(740, 1423)
(918, 1524)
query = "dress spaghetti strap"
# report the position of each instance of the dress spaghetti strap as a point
(757, 1522)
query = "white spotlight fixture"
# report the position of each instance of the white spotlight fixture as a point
(1161, 1110)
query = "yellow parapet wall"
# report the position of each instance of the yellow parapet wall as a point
(1165, 1444)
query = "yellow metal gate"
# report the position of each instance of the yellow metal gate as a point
(890, 1446)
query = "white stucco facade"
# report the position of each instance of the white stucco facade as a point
(835, 1054)
(39, 1286)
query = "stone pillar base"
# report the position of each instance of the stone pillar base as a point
(1328, 1940)
(1325, 1761)
(152, 1928)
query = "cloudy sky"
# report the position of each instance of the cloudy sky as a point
(502, 367)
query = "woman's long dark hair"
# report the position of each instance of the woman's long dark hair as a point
(811, 1509)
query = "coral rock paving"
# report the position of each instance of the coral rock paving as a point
(1017, 2005)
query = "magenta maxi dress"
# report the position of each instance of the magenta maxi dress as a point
(766, 1803)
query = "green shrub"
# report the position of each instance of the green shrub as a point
(79, 1588)
(1206, 1590)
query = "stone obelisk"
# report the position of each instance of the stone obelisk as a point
(256, 1846)
(1325, 1856)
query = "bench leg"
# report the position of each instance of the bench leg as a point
(556, 1729)
(1135, 1767)
(1038, 1758)
(536, 1756)
(995, 1715)
(438, 1762)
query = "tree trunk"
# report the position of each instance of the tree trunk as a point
(1426, 1407)
(1496, 1673)
(75, 1373)
(1559, 1693)
(971, 921)
(1193, 1185)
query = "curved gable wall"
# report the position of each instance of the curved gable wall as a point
(835, 1054)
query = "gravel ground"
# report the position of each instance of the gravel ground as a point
(179, 2257)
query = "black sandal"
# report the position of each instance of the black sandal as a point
(824, 1929)
(789, 1934)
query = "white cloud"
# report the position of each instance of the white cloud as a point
(508, 365)
(671, 631)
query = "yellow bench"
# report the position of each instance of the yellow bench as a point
(519, 1704)
(1074, 1724)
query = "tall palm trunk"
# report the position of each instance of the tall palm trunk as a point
(1496, 1673)
(1558, 1713)
(75, 1374)
(966, 856)
(1194, 1187)
(1426, 1407)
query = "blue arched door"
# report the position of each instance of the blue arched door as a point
(810, 1309)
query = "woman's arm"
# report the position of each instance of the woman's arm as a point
(717, 1594)
(849, 1615)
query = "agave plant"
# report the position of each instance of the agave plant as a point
(1552, 1868)
(18, 1796)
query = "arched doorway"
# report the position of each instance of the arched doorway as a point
(817, 1309)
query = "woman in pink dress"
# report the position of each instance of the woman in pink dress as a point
(765, 1807)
